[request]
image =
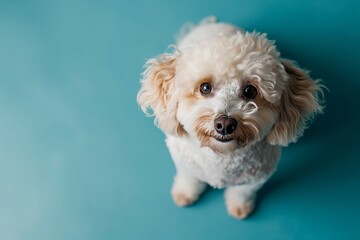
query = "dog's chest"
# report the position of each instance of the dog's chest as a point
(252, 164)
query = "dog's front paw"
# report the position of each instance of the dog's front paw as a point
(240, 200)
(240, 210)
(182, 199)
(186, 189)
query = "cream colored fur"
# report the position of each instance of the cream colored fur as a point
(228, 58)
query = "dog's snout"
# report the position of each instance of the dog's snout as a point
(225, 125)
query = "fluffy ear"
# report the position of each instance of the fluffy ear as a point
(157, 93)
(299, 103)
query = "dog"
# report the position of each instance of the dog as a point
(227, 103)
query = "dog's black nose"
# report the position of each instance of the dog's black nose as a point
(225, 125)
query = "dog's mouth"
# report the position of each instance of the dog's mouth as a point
(223, 139)
(220, 143)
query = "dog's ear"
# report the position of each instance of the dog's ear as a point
(299, 102)
(157, 93)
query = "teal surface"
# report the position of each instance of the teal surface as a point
(78, 159)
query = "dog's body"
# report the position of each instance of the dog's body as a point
(227, 103)
(252, 164)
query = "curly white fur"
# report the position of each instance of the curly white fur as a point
(229, 59)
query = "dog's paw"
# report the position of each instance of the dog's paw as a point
(240, 210)
(186, 189)
(182, 200)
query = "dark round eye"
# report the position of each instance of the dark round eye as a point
(205, 88)
(250, 92)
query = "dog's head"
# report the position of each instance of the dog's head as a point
(228, 92)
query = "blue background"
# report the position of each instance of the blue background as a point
(78, 159)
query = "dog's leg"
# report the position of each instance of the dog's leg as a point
(186, 189)
(240, 200)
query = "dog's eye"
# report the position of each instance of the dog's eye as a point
(205, 88)
(250, 92)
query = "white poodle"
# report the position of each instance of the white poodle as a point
(227, 103)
